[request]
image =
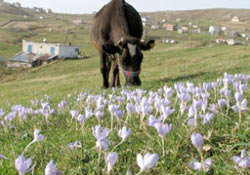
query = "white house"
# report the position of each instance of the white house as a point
(36, 54)
(231, 42)
(62, 51)
(155, 27)
(17, 4)
(213, 30)
(236, 19)
(78, 21)
(223, 29)
(146, 20)
(48, 11)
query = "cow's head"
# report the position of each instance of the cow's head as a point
(130, 57)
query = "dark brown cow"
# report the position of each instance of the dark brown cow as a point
(116, 33)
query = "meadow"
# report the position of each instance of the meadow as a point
(78, 82)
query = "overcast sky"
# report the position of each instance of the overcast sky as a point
(88, 6)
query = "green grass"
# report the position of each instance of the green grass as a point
(160, 66)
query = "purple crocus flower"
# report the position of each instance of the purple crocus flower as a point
(148, 161)
(197, 140)
(243, 161)
(198, 165)
(152, 120)
(22, 165)
(124, 133)
(100, 134)
(222, 103)
(163, 129)
(74, 114)
(51, 169)
(110, 160)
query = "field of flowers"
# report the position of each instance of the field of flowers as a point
(185, 129)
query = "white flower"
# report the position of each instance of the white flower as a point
(22, 165)
(222, 103)
(38, 137)
(51, 169)
(147, 161)
(81, 119)
(197, 140)
(240, 106)
(166, 111)
(152, 120)
(99, 114)
(74, 113)
(206, 119)
(130, 108)
(111, 159)
(163, 129)
(100, 134)
(124, 133)
(198, 165)
(243, 161)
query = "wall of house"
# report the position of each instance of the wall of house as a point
(40, 48)
(68, 51)
(18, 64)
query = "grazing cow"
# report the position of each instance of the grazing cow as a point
(116, 34)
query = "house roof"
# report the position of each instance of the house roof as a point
(1, 59)
(58, 44)
(30, 57)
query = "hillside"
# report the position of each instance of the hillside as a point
(209, 15)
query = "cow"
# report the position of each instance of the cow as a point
(116, 34)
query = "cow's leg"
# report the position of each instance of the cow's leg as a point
(115, 78)
(104, 69)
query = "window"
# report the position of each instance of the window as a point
(52, 50)
(29, 48)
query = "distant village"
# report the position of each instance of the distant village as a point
(224, 34)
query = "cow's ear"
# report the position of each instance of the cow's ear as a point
(111, 49)
(149, 45)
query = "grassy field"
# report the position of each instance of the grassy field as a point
(188, 61)
(162, 66)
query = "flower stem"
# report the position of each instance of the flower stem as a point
(99, 156)
(240, 117)
(195, 118)
(202, 161)
(28, 146)
(112, 121)
(139, 173)
(117, 146)
(163, 146)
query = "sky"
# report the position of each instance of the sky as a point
(89, 6)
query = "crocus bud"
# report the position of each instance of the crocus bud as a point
(22, 165)
(51, 169)
(124, 133)
(111, 159)
(147, 161)
(197, 140)
(238, 96)
(38, 137)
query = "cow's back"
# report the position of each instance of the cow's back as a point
(114, 21)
